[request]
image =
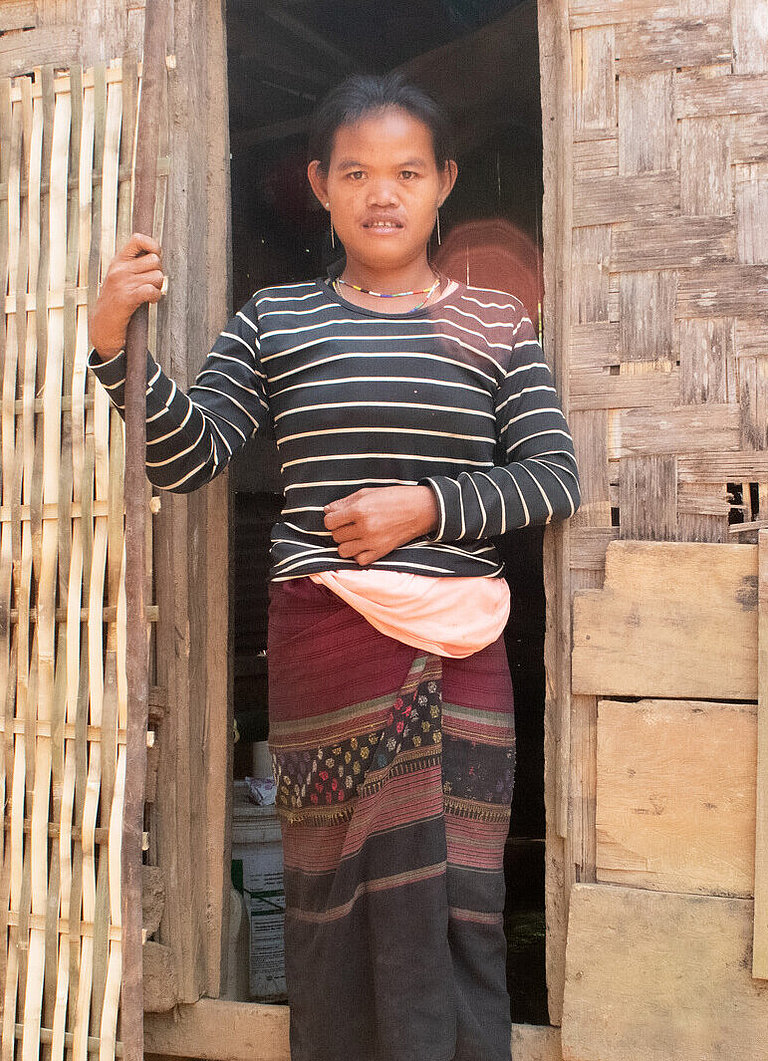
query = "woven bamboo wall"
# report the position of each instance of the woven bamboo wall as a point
(66, 32)
(669, 326)
(65, 162)
(656, 274)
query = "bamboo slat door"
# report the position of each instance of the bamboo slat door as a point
(662, 340)
(65, 166)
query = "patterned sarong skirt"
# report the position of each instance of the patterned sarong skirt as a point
(395, 771)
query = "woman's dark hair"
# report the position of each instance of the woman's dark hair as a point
(364, 94)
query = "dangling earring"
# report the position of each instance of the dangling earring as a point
(439, 241)
(333, 239)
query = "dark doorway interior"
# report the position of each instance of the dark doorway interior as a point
(480, 57)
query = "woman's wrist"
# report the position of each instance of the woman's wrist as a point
(428, 515)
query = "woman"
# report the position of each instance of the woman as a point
(415, 419)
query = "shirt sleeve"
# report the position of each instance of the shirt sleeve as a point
(539, 481)
(192, 437)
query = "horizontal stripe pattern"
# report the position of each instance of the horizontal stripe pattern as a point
(457, 397)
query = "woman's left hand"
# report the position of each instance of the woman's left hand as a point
(372, 522)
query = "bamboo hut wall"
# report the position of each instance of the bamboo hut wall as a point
(65, 146)
(655, 268)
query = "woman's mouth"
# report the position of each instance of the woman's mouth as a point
(382, 224)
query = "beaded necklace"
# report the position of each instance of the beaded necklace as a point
(428, 291)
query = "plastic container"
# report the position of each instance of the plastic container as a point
(257, 865)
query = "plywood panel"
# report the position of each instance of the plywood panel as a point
(676, 784)
(673, 620)
(655, 975)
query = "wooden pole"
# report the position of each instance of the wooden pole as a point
(760, 929)
(137, 649)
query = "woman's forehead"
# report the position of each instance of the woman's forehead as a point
(382, 133)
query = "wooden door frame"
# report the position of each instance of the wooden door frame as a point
(197, 1028)
(565, 860)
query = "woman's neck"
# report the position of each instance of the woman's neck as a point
(395, 290)
(412, 276)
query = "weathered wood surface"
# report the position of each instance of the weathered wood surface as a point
(676, 784)
(760, 934)
(217, 1030)
(557, 114)
(657, 975)
(673, 620)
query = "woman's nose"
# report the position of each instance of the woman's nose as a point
(382, 193)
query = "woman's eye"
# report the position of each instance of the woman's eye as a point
(408, 174)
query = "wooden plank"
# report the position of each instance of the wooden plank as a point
(708, 371)
(219, 1030)
(673, 243)
(532, 1042)
(557, 130)
(751, 187)
(751, 336)
(648, 498)
(18, 14)
(596, 157)
(753, 400)
(760, 926)
(647, 127)
(590, 430)
(22, 52)
(655, 975)
(722, 291)
(744, 467)
(600, 390)
(642, 635)
(699, 96)
(591, 249)
(218, 643)
(646, 315)
(594, 84)
(615, 12)
(750, 138)
(706, 182)
(589, 545)
(670, 43)
(750, 37)
(676, 795)
(595, 345)
(599, 200)
(674, 430)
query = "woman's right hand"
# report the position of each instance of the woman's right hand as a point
(135, 276)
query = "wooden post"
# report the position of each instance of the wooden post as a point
(132, 995)
(760, 931)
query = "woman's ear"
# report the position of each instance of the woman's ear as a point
(318, 181)
(448, 179)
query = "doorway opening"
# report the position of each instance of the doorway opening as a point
(480, 57)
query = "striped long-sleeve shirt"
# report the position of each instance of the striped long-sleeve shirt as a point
(456, 396)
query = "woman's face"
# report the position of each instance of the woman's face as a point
(384, 187)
